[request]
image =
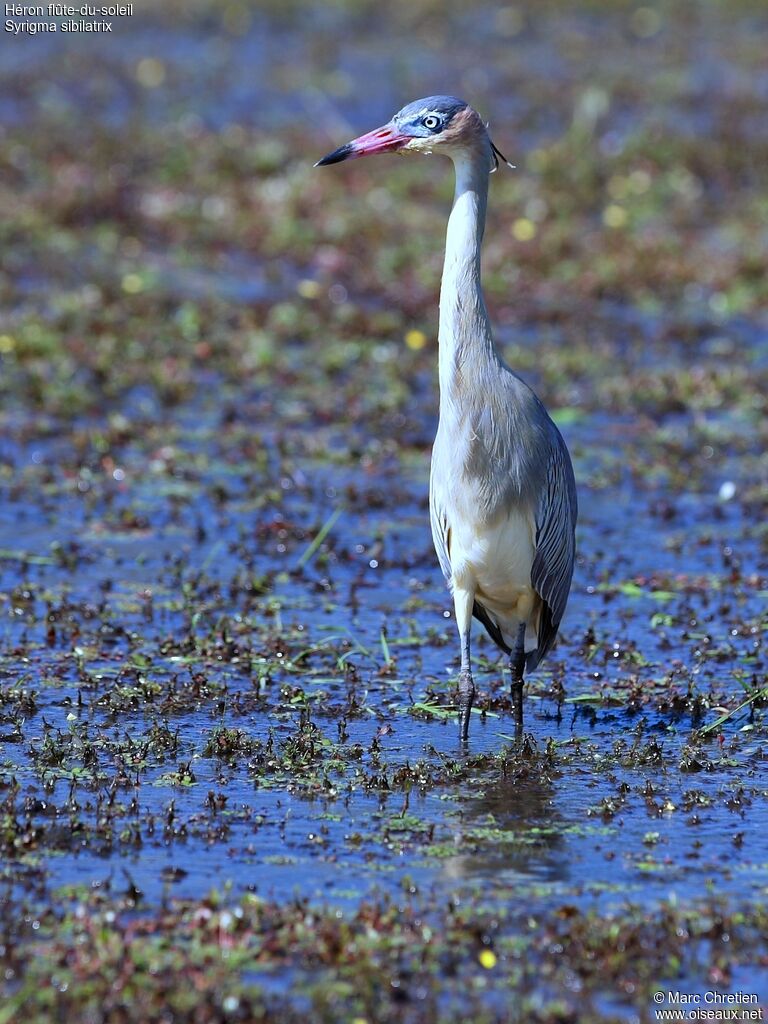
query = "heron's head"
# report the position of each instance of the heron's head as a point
(436, 124)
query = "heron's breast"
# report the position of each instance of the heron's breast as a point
(494, 559)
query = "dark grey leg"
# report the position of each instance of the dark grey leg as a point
(517, 666)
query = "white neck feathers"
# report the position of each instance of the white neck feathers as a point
(465, 331)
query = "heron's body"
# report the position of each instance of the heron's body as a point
(502, 491)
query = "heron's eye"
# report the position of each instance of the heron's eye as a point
(430, 121)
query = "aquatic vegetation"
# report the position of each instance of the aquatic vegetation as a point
(230, 786)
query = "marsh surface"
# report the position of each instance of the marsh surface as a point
(232, 787)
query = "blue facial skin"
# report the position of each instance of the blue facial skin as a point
(436, 111)
(443, 108)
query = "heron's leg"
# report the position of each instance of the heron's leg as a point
(517, 665)
(463, 601)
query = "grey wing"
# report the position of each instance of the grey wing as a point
(440, 533)
(552, 569)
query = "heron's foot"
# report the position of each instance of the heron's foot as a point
(517, 700)
(466, 697)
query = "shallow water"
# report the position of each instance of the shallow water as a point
(195, 691)
(301, 648)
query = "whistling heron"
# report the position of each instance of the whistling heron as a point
(502, 491)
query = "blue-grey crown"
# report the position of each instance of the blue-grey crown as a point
(444, 107)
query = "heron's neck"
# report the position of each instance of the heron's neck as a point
(465, 331)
